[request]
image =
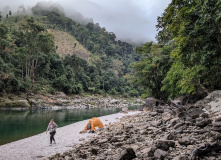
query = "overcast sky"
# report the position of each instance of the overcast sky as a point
(132, 20)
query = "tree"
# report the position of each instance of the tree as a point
(150, 71)
(36, 42)
(3, 36)
(194, 27)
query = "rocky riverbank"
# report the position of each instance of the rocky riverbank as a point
(184, 132)
(67, 137)
(62, 101)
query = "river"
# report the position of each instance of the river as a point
(15, 125)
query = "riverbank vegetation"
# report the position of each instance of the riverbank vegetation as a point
(187, 58)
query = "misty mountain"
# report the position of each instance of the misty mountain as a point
(29, 55)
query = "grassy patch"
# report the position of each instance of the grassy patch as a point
(68, 45)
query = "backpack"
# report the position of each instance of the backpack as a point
(89, 126)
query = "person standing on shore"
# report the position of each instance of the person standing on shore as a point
(52, 126)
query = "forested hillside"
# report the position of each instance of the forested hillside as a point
(187, 58)
(29, 59)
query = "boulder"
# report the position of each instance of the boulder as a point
(203, 123)
(160, 154)
(179, 101)
(124, 109)
(216, 135)
(194, 112)
(127, 154)
(184, 141)
(205, 149)
(165, 144)
(151, 103)
(166, 116)
(147, 151)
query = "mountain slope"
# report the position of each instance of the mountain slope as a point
(66, 44)
(29, 59)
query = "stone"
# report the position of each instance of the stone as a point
(218, 129)
(218, 119)
(153, 114)
(165, 144)
(114, 139)
(217, 124)
(174, 121)
(180, 158)
(152, 129)
(94, 151)
(171, 136)
(127, 154)
(102, 141)
(194, 112)
(203, 123)
(160, 154)
(178, 125)
(84, 131)
(148, 151)
(150, 102)
(184, 141)
(204, 115)
(190, 147)
(143, 132)
(60, 94)
(216, 135)
(81, 139)
(128, 126)
(67, 158)
(135, 147)
(124, 109)
(166, 116)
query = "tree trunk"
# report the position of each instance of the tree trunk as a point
(22, 74)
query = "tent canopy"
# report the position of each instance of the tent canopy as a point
(93, 123)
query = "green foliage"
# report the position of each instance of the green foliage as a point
(194, 28)
(152, 68)
(28, 55)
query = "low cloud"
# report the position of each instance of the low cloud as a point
(130, 20)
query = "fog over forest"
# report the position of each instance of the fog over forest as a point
(131, 20)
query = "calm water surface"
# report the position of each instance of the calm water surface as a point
(15, 125)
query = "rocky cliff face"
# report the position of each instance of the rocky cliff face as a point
(166, 132)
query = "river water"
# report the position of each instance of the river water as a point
(15, 125)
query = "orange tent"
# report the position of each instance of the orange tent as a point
(93, 123)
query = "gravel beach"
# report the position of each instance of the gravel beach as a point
(37, 147)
